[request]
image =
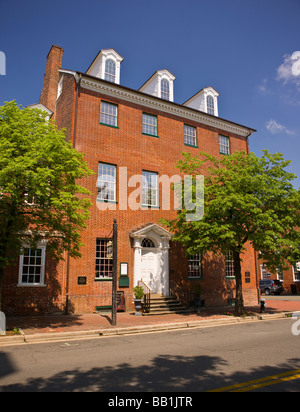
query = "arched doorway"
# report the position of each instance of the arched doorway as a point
(151, 258)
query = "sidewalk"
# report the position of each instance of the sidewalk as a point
(61, 327)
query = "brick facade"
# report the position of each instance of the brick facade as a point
(290, 280)
(78, 110)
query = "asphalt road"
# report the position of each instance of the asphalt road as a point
(259, 356)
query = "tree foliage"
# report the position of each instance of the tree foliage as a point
(246, 199)
(40, 197)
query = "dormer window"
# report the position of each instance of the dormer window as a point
(210, 105)
(205, 101)
(106, 66)
(160, 85)
(165, 89)
(110, 71)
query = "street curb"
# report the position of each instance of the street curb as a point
(93, 334)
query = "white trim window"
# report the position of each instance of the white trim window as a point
(104, 261)
(165, 89)
(296, 272)
(210, 105)
(229, 265)
(150, 189)
(107, 182)
(32, 266)
(149, 124)
(109, 114)
(194, 266)
(263, 272)
(110, 71)
(224, 145)
(190, 135)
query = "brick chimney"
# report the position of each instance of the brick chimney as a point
(51, 78)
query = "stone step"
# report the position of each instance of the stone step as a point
(160, 305)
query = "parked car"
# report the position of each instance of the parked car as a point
(270, 286)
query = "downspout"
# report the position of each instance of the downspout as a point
(77, 81)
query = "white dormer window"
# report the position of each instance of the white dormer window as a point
(160, 85)
(110, 70)
(106, 66)
(206, 101)
(165, 89)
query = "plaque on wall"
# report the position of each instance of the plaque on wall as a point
(81, 280)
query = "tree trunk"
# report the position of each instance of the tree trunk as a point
(239, 302)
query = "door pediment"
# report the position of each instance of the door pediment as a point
(154, 229)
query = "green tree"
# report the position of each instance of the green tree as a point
(246, 199)
(39, 193)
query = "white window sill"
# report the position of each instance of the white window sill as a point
(33, 285)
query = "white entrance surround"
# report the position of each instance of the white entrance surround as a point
(151, 264)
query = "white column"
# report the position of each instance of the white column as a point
(137, 259)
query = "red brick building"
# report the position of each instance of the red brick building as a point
(290, 278)
(132, 140)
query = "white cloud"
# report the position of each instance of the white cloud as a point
(264, 88)
(289, 70)
(274, 127)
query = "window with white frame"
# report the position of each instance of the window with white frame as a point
(104, 261)
(263, 272)
(190, 135)
(296, 269)
(229, 265)
(194, 266)
(109, 114)
(32, 266)
(279, 272)
(210, 105)
(107, 182)
(224, 145)
(150, 189)
(165, 89)
(149, 124)
(110, 71)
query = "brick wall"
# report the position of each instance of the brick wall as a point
(126, 146)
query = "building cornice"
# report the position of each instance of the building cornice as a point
(151, 102)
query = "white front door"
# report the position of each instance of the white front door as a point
(149, 270)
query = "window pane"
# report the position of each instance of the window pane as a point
(109, 114)
(110, 71)
(210, 105)
(224, 145)
(106, 183)
(149, 124)
(150, 189)
(190, 137)
(104, 261)
(165, 89)
(32, 266)
(297, 271)
(229, 265)
(194, 266)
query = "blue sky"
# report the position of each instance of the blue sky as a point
(245, 49)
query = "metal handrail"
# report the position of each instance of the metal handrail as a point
(147, 296)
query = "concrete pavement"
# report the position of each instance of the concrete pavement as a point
(36, 329)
